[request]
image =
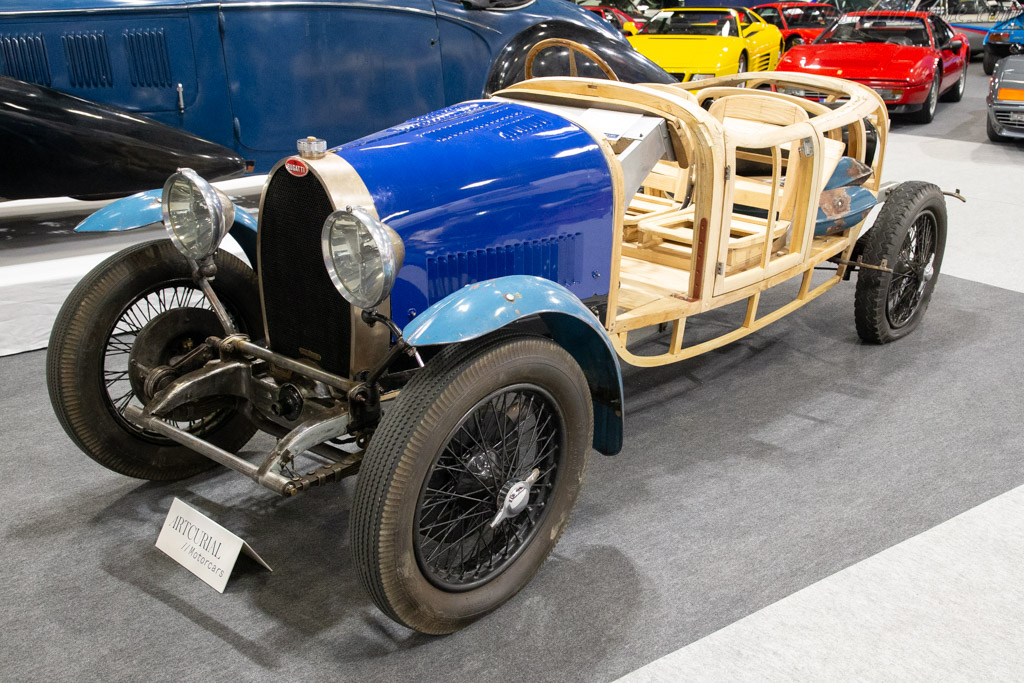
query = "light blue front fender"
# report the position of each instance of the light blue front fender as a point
(481, 308)
(144, 209)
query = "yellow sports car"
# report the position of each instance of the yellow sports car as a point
(692, 44)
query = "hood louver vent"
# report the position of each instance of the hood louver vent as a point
(557, 258)
(88, 59)
(24, 58)
(148, 61)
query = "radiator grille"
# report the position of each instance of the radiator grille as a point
(558, 258)
(1003, 117)
(24, 58)
(149, 65)
(306, 317)
(88, 59)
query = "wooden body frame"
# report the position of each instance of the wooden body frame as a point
(673, 258)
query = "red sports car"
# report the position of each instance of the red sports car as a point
(800, 22)
(629, 26)
(908, 58)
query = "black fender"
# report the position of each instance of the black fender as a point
(629, 65)
(56, 144)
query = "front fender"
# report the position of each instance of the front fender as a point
(481, 308)
(144, 209)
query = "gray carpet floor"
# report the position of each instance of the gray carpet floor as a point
(748, 474)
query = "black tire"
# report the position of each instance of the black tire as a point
(742, 63)
(931, 102)
(956, 93)
(988, 62)
(434, 435)
(794, 40)
(910, 236)
(993, 135)
(94, 334)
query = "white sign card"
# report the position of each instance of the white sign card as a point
(202, 546)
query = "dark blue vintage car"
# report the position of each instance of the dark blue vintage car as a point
(255, 76)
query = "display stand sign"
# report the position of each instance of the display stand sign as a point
(202, 546)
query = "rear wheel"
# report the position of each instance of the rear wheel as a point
(470, 479)
(909, 236)
(141, 309)
(988, 62)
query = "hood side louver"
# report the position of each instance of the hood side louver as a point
(88, 59)
(24, 58)
(149, 65)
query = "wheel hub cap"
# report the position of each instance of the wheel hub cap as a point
(514, 497)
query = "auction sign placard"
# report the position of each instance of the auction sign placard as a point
(202, 546)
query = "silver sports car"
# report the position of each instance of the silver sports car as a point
(1006, 100)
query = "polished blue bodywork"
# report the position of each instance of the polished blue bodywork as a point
(843, 203)
(484, 307)
(485, 189)
(255, 76)
(1014, 42)
(144, 208)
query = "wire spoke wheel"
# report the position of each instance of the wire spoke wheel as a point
(912, 271)
(909, 236)
(117, 353)
(500, 442)
(137, 311)
(470, 478)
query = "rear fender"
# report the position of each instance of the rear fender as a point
(144, 209)
(484, 307)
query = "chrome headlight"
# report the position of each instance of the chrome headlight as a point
(362, 255)
(196, 214)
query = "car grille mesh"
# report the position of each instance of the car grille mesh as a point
(1003, 117)
(306, 316)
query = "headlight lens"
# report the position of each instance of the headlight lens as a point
(362, 255)
(701, 77)
(197, 215)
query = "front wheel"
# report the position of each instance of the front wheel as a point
(469, 480)
(931, 101)
(136, 311)
(794, 40)
(741, 65)
(909, 236)
(990, 128)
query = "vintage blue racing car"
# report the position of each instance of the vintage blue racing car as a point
(441, 306)
(252, 76)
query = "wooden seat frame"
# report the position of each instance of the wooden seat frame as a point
(670, 259)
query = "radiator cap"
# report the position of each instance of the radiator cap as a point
(312, 147)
